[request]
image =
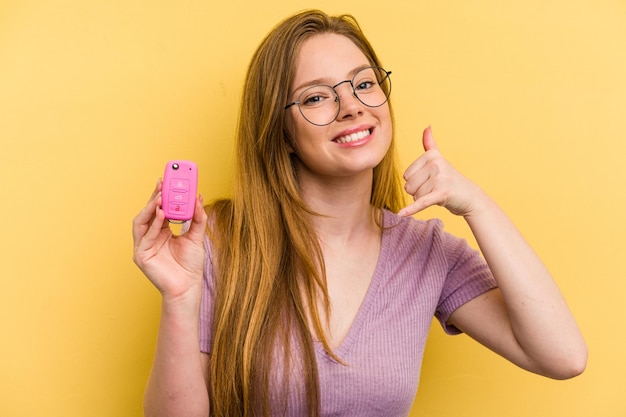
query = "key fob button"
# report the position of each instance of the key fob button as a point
(179, 184)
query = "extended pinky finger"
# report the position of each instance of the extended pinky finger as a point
(418, 205)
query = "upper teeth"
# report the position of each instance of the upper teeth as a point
(354, 136)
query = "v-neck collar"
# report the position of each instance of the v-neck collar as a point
(368, 301)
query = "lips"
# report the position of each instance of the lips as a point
(352, 137)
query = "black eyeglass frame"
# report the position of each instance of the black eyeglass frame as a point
(333, 87)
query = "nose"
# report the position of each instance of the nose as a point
(349, 104)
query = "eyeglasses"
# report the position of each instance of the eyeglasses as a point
(319, 104)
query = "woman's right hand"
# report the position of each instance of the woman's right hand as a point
(173, 263)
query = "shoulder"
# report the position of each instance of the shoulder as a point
(425, 238)
(409, 229)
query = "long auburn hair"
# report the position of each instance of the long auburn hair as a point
(269, 269)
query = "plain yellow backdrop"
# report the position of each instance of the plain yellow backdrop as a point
(525, 97)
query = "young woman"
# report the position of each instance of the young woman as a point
(311, 291)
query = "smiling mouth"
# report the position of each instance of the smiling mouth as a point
(353, 136)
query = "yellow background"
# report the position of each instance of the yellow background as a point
(528, 98)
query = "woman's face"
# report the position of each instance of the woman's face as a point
(359, 137)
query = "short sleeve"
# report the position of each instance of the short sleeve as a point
(468, 277)
(205, 323)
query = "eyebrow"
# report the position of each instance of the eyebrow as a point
(326, 80)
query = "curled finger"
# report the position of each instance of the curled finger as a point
(157, 189)
(144, 218)
(152, 231)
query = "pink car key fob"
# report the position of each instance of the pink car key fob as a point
(179, 189)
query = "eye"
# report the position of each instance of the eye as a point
(316, 96)
(312, 100)
(365, 85)
(366, 80)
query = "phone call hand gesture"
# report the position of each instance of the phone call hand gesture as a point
(173, 263)
(431, 180)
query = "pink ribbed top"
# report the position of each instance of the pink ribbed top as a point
(422, 272)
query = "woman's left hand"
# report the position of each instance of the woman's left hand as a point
(431, 180)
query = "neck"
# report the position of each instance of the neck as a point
(342, 206)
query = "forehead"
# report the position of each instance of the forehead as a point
(327, 56)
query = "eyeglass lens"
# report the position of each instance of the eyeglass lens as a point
(319, 104)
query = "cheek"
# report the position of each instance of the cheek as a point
(299, 133)
(385, 123)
